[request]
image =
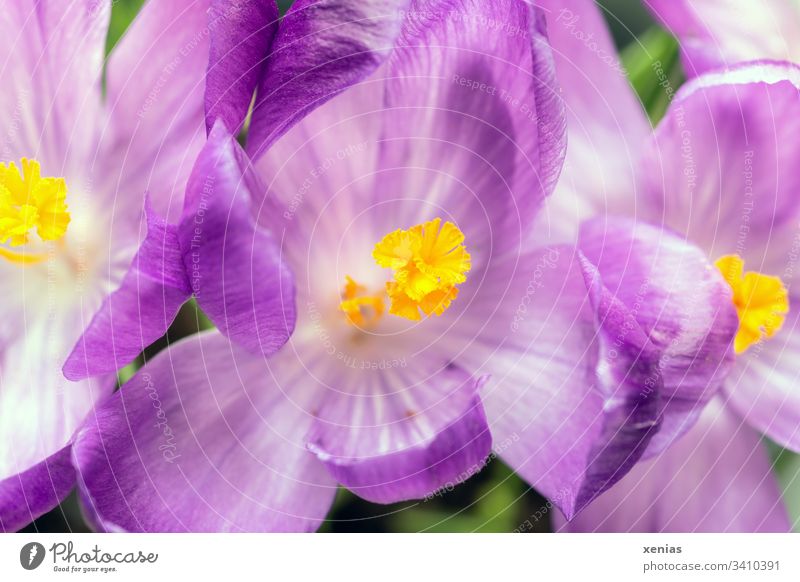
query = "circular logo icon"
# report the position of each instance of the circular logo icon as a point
(31, 555)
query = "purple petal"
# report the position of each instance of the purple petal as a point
(550, 107)
(763, 386)
(201, 440)
(682, 303)
(321, 48)
(572, 398)
(140, 311)
(629, 413)
(52, 69)
(155, 81)
(390, 443)
(28, 495)
(478, 133)
(719, 34)
(607, 123)
(241, 35)
(722, 167)
(234, 268)
(718, 478)
(473, 162)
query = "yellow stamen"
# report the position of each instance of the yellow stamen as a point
(428, 261)
(761, 302)
(22, 258)
(362, 310)
(27, 202)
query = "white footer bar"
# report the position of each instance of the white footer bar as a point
(390, 557)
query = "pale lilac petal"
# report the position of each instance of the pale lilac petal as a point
(574, 409)
(390, 442)
(722, 166)
(477, 133)
(140, 311)
(722, 33)
(718, 478)
(394, 417)
(235, 269)
(764, 386)
(241, 36)
(606, 122)
(321, 48)
(155, 83)
(682, 303)
(35, 491)
(201, 440)
(51, 64)
(39, 409)
(323, 168)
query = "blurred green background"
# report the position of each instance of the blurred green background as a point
(495, 500)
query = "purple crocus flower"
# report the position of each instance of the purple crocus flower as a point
(75, 168)
(721, 170)
(400, 154)
(716, 34)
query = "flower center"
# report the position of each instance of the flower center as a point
(27, 202)
(427, 260)
(361, 309)
(761, 302)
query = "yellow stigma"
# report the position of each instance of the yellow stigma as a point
(761, 301)
(362, 310)
(27, 202)
(428, 261)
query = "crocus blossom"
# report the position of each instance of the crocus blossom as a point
(721, 33)
(720, 169)
(75, 168)
(382, 224)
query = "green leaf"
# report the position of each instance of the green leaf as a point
(122, 14)
(787, 469)
(200, 319)
(654, 70)
(128, 371)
